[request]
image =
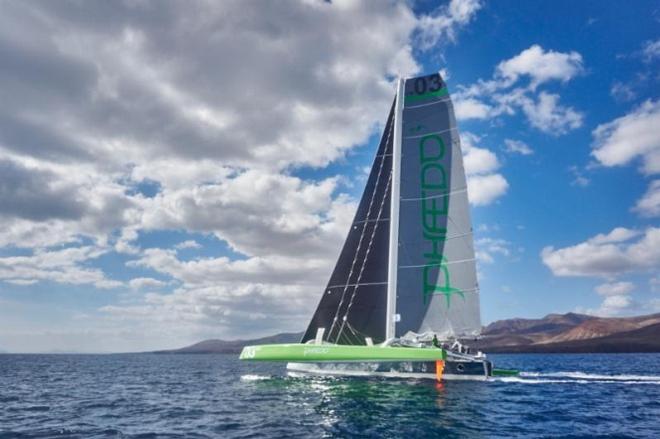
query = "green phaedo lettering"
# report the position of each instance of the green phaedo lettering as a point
(434, 187)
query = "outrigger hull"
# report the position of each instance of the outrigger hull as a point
(301, 353)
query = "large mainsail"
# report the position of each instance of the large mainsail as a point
(353, 305)
(434, 286)
(437, 289)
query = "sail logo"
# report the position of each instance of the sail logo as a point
(315, 351)
(435, 210)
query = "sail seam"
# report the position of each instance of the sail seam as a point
(445, 194)
(375, 220)
(431, 133)
(355, 285)
(439, 264)
(439, 101)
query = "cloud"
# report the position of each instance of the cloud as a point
(516, 146)
(484, 185)
(618, 142)
(187, 244)
(258, 213)
(579, 179)
(614, 305)
(488, 248)
(540, 66)
(480, 161)
(444, 22)
(66, 266)
(141, 283)
(547, 115)
(471, 108)
(616, 299)
(651, 50)
(615, 289)
(36, 195)
(619, 234)
(484, 189)
(622, 92)
(607, 255)
(649, 205)
(506, 94)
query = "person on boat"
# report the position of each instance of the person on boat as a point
(435, 341)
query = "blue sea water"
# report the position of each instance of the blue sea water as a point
(145, 395)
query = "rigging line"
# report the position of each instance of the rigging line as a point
(366, 255)
(354, 333)
(364, 228)
(353, 336)
(442, 195)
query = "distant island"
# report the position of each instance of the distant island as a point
(554, 333)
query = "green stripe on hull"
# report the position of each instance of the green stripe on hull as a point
(337, 353)
(505, 372)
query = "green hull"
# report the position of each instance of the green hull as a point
(505, 372)
(297, 352)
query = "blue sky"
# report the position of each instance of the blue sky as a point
(169, 174)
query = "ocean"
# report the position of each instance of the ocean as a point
(147, 395)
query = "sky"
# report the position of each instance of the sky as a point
(174, 171)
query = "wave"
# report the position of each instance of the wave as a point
(578, 378)
(590, 376)
(251, 377)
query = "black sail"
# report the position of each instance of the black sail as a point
(353, 305)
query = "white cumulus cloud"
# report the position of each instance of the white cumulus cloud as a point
(635, 135)
(649, 205)
(541, 65)
(608, 255)
(516, 86)
(484, 184)
(517, 146)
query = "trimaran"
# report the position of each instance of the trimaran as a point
(404, 292)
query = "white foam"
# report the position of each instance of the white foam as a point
(591, 377)
(578, 378)
(251, 377)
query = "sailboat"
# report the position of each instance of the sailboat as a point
(403, 296)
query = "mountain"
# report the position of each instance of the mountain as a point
(646, 339)
(572, 333)
(233, 346)
(553, 333)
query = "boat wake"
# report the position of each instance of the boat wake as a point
(578, 378)
(251, 377)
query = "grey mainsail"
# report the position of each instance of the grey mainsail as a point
(437, 289)
(434, 287)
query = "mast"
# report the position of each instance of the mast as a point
(393, 253)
